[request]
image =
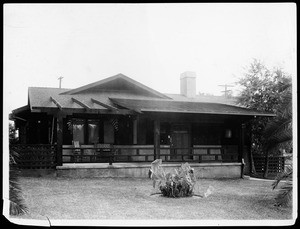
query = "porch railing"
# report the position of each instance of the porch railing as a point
(43, 156)
(146, 154)
(34, 156)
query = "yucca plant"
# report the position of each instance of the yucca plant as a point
(278, 135)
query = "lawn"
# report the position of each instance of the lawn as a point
(130, 199)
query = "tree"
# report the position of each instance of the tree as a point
(262, 91)
(278, 131)
(278, 135)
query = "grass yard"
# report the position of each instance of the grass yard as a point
(126, 198)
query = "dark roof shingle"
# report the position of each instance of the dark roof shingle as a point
(185, 107)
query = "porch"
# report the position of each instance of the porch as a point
(134, 160)
(126, 160)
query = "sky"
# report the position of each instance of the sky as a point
(150, 43)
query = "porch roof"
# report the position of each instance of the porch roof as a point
(185, 107)
(41, 97)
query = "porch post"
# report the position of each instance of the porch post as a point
(59, 130)
(135, 131)
(156, 139)
(241, 147)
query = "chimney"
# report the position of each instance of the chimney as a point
(188, 84)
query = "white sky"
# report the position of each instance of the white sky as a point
(151, 43)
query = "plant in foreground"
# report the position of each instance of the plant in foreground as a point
(178, 184)
(17, 204)
(284, 197)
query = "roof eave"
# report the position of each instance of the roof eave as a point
(20, 109)
(211, 113)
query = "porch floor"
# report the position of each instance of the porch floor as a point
(138, 165)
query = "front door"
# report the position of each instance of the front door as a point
(180, 141)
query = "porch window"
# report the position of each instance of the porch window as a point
(206, 134)
(109, 132)
(124, 134)
(78, 130)
(228, 133)
(145, 131)
(165, 133)
(93, 131)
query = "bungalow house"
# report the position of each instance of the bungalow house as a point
(118, 126)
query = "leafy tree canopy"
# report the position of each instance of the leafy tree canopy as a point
(263, 90)
(262, 87)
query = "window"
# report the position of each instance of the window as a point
(149, 132)
(109, 132)
(124, 134)
(93, 131)
(78, 129)
(165, 133)
(207, 134)
(145, 131)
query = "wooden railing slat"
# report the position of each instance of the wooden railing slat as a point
(117, 155)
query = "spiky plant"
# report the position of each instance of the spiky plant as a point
(278, 135)
(284, 196)
(17, 203)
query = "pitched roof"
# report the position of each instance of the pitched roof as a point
(44, 98)
(118, 82)
(121, 92)
(185, 107)
(40, 97)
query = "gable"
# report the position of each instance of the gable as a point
(117, 83)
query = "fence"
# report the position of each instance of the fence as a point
(275, 165)
(34, 156)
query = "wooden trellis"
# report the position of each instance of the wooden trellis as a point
(35, 156)
(275, 164)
